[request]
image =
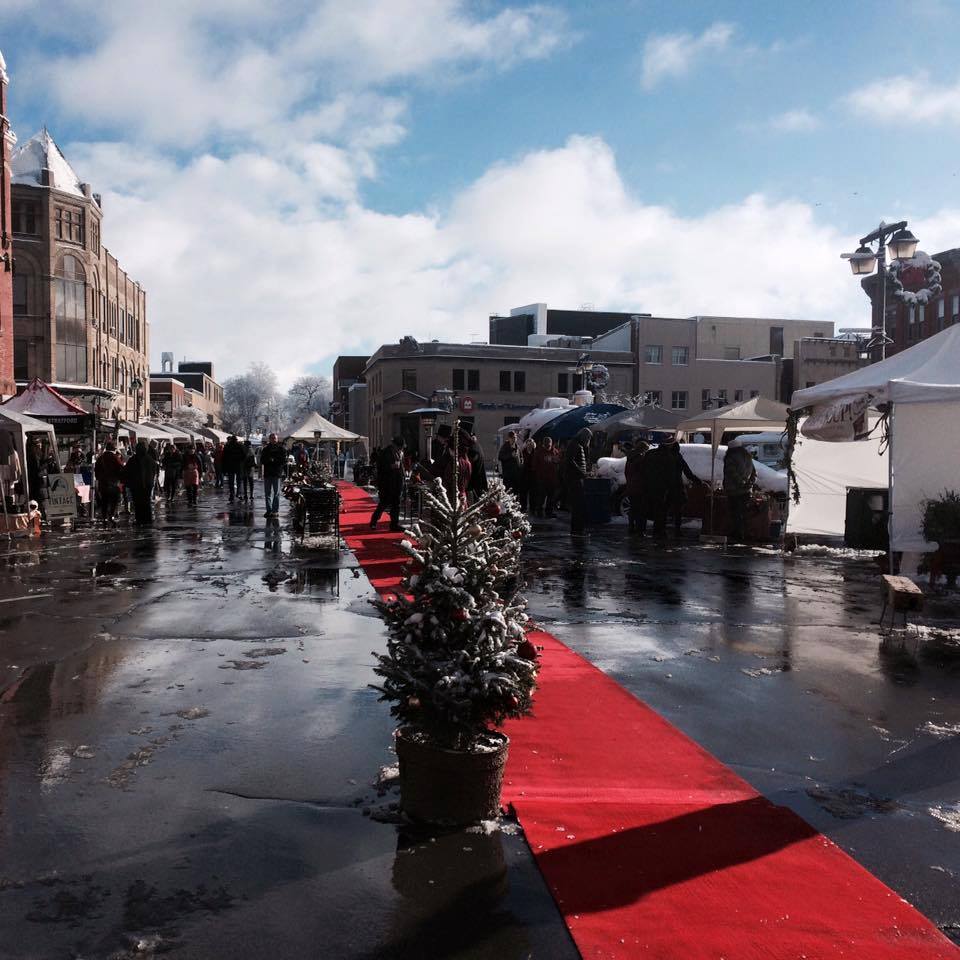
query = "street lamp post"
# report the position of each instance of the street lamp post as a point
(863, 261)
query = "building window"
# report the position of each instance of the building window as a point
(737, 396)
(459, 379)
(473, 379)
(507, 421)
(704, 399)
(563, 383)
(504, 381)
(95, 236)
(811, 383)
(721, 398)
(519, 381)
(20, 294)
(20, 366)
(678, 400)
(577, 382)
(731, 353)
(680, 356)
(653, 354)
(654, 397)
(776, 341)
(941, 313)
(71, 315)
(24, 216)
(754, 393)
(913, 314)
(408, 380)
(69, 224)
(921, 313)
(956, 308)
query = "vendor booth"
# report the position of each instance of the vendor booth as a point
(919, 389)
(752, 416)
(73, 424)
(322, 434)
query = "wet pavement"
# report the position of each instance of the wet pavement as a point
(189, 754)
(777, 666)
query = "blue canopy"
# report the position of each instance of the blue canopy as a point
(567, 425)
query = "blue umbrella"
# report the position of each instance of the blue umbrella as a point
(567, 425)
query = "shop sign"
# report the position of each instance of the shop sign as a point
(61, 495)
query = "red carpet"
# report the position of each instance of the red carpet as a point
(651, 846)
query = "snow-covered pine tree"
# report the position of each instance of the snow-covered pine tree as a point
(458, 662)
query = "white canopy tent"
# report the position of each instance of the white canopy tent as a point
(757, 414)
(17, 427)
(921, 388)
(315, 428)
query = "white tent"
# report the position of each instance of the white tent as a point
(921, 387)
(316, 428)
(16, 428)
(824, 471)
(757, 413)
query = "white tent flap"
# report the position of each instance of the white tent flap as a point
(823, 471)
(926, 437)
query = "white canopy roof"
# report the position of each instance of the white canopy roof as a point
(315, 427)
(758, 413)
(923, 373)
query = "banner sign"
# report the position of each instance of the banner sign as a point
(839, 421)
(70, 424)
(61, 495)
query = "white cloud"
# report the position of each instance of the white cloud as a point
(675, 54)
(794, 121)
(246, 258)
(912, 100)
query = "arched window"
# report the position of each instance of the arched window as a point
(70, 294)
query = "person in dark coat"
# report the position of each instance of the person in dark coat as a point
(634, 476)
(172, 468)
(739, 475)
(389, 484)
(576, 465)
(478, 469)
(273, 463)
(109, 475)
(138, 476)
(511, 463)
(232, 464)
(662, 476)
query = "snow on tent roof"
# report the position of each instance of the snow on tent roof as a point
(928, 371)
(313, 424)
(41, 400)
(41, 153)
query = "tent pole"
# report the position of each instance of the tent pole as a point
(890, 569)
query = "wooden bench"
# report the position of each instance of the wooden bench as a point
(900, 593)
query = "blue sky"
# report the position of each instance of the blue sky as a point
(318, 178)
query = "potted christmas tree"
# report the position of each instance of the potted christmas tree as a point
(458, 662)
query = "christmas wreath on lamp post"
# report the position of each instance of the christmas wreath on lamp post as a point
(458, 662)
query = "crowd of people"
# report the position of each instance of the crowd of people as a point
(547, 477)
(133, 479)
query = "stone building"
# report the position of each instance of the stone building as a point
(347, 372)
(818, 359)
(79, 321)
(7, 142)
(493, 385)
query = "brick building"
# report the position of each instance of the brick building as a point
(909, 324)
(347, 371)
(79, 321)
(193, 385)
(7, 141)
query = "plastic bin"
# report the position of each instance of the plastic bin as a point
(596, 491)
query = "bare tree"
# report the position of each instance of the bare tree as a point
(189, 417)
(251, 400)
(307, 394)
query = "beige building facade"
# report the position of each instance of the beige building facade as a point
(740, 338)
(818, 359)
(492, 385)
(80, 322)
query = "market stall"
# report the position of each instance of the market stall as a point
(919, 390)
(73, 424)
(321, 434)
